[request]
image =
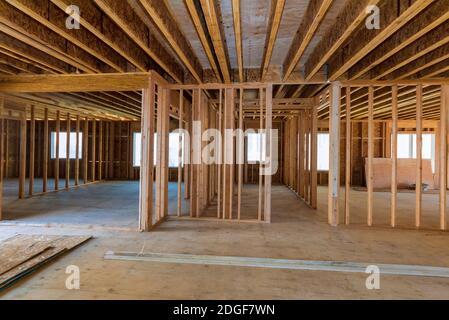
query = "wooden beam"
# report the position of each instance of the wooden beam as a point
(147, 159)
(334, 154)
(315, 13)
(160, 14)
(214, 25)
(54, 19)
(238, 36)
(394, 155)
(32, 150)
(367, 39)
(194, 10)
(419, 176)
(74, 82)
(25, 29)
(274, 22)
(348, 20)
(426, 29)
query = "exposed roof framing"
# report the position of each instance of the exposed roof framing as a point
(277, 9)
(349, 19)
(123, 39)
(214, 24)
(424, 45)
(161, 16)
(238, 36)
(419, 28)
(315, 14)
(365, 40)
(200, 25)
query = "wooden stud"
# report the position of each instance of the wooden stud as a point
(45, 152)
(269, 152)
(2, 154)
(220, 153)
(260, 199)
(100, 150)
(444, 109)
(181, 119)
(147, 159)
(85, 149)
(77, 155)
(418, 188)
(67, 153)
(394, 155)
(32, 150)
(334, 154)
(56, 169)
(94, 157)
(314, 159)
(348, 156)
(111, 149)
(370, 179)
(241, 159)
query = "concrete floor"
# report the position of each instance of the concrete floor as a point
(297, 232)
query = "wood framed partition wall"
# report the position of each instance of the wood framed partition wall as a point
(219, 184)
(201, 180)
(382, 102)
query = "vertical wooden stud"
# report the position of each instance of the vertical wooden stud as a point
(32, 150)
(394, 155)
(334, 154)
(418, 156)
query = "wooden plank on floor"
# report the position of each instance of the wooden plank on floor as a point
(310, 265)
(22, 248)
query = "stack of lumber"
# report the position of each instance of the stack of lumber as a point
(23, 254)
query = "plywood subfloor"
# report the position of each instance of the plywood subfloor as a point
(106, 204)
(297, 232)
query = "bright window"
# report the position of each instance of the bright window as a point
(173, 145)
(63, 145)
(323, 151)
(256, 147)
(407, 147)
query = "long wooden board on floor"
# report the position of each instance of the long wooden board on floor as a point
(23, 254)
(335, 266)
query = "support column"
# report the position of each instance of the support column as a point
(147, 163)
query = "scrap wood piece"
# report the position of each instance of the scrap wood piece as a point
(29, 266)
(18, 249)
(57, 245)
(286, 264)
